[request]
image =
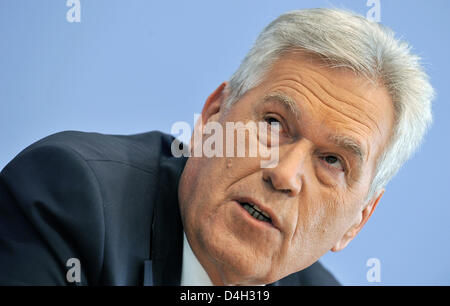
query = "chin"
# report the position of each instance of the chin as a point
(235, 261)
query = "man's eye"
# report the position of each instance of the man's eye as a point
(272, 120)
(276, 125)
(333, 161)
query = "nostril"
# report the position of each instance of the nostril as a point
(269, 181)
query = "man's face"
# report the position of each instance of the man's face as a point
(329, 141)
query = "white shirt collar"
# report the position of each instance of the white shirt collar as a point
(192, 272)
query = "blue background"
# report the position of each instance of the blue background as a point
(138, 65)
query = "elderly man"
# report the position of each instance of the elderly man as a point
(348, 104)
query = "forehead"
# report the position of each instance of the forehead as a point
(331, 102)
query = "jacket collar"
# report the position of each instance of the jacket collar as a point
(166, 247)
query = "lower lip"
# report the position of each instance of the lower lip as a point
(254, 221)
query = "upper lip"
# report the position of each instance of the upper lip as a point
(263, 207)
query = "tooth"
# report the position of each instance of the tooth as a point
(261, 211)
(256, 212)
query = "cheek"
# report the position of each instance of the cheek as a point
(320, 224)
(200, 185)
(237, 169)
(208, 182)
(333, 216)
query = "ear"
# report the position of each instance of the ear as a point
(213, 104)
(363, 217)
(211, 109)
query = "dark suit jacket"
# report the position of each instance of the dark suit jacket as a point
(110, 201)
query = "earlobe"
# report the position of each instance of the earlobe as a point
(356, 228)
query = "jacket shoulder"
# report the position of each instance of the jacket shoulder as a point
(65, 195)
(140, 150)
(50, 211)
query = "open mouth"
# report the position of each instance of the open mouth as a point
(256, 212)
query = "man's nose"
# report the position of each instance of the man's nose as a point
(289, 173)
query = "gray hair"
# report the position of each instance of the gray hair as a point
(345, 39)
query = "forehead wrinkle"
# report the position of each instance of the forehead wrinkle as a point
(312, 73)
(329, 105)
(327, 87)
(375, 123)
(310, 94)
(357, 129)
(306, 71)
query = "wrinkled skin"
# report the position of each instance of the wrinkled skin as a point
(315, 193)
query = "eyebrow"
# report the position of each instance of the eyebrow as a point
(349, 144)
(286, 101)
